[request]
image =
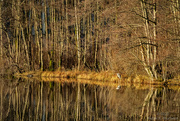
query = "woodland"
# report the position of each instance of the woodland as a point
(133, 37)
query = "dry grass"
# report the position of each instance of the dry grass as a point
(101, 76)
(104, 76)
(34, 73)
(141, 79)
(89, 75)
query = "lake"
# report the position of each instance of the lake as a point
(69, 100)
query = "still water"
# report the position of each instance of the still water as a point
(70, 100)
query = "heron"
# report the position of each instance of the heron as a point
(119, 76)
(29, 75)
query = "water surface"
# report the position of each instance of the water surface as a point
(31, 100)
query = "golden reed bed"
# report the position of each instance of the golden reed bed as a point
(104, 76)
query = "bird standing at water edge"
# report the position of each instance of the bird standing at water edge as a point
(29, 75)
(119, 76)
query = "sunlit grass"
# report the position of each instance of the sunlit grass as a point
(103, 76)
(34, 73)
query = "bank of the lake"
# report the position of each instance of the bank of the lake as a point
(103, 76)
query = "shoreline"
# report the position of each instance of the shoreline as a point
(104, 76)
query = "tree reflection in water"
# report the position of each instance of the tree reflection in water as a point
(37, 100)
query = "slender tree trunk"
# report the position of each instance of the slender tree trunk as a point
(67, 38)
(28, 35)
(88, 35)
(146, 52)
(52, 20)
(26, 47)
(46, 25)
(15, 8)
(41, 49)
(61, 38)
(154, 39)
(176, 13)
(77, 36)
(97, 34)
(36, 36)
(1, 46)
(85, 32)
(178, 26)
(146, 27)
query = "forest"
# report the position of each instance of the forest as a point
(133, 37)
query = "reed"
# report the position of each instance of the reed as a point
(103, 76)
(25, 74)
(89, 75)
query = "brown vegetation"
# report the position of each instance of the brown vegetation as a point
(132, 37)
(101, 76)
(91, 77)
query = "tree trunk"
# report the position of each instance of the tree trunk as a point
(1, 46)
(26, 47)
(154, 40)
(149, 52)
(85, 32)
(77, 36)
(67, 38)
(36, 36)
(97, 34)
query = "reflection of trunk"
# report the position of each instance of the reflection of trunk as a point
(16, 102)
(96, 107)
(177, 96)
(2, 89)
(26, 103)
(85, 103)
(78, 103)
(149, 103)
(69, 100)
(41, 112)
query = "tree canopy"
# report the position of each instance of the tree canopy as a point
(127, 36)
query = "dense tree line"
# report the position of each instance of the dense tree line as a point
(128, 36)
